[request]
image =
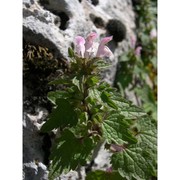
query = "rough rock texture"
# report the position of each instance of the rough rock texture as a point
(54, 24)
(33, 152)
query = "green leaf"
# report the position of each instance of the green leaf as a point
(149, 101)
(125, 77)
(147, 134)
(64, 115)
(101, 64)
(104, 175)
(59, 81)
(132, 112)
(92, 80)
(116, 130)
(70, 152)
(94, 97)
(106, 97)
(126, 108)
(76, 82)
(70, 52)
(54, 95)
(138, 161)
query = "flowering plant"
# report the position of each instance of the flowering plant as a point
(89, 112)
(137, 73)
(88, 48)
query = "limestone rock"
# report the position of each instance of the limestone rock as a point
(33, 171)
(55, 23)
(33, 153)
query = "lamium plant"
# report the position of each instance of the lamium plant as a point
(137, 70)
(88, 111)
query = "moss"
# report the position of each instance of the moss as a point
(39, 67)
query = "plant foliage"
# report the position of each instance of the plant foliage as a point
(88, 111)
(138, 70)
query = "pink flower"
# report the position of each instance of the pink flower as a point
(102, 49)
(105, 52)
(79, 45)
(89, 40)
(109, 170)
(138, 51)
(88, 48)
(89, 44)
(132, 42)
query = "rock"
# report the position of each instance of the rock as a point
(54, 24)
(102, 161)
(33, 153)
(72, 175)
(33, 171)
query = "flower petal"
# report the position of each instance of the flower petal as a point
(138, 51)
(102, 49)
(107, 52)
(106, 40)
(91, 52)
(104, 52)
(132, 42)
(79, 45)
(89, 40)
(89, 44)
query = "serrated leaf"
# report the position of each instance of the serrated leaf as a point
(54, 95)
(106, 98)
(132, 112)
(138, 161)
(101, 64)
(94, 97)
(147, 133)
(93, 80)
(116, 130)
(64, 115)
(103, 175)
(70, 151)
(126, 108)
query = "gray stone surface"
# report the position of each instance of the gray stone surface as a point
(33, 154)
(101, 158)
(54, 24)
(33, 171)
(42, 24)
